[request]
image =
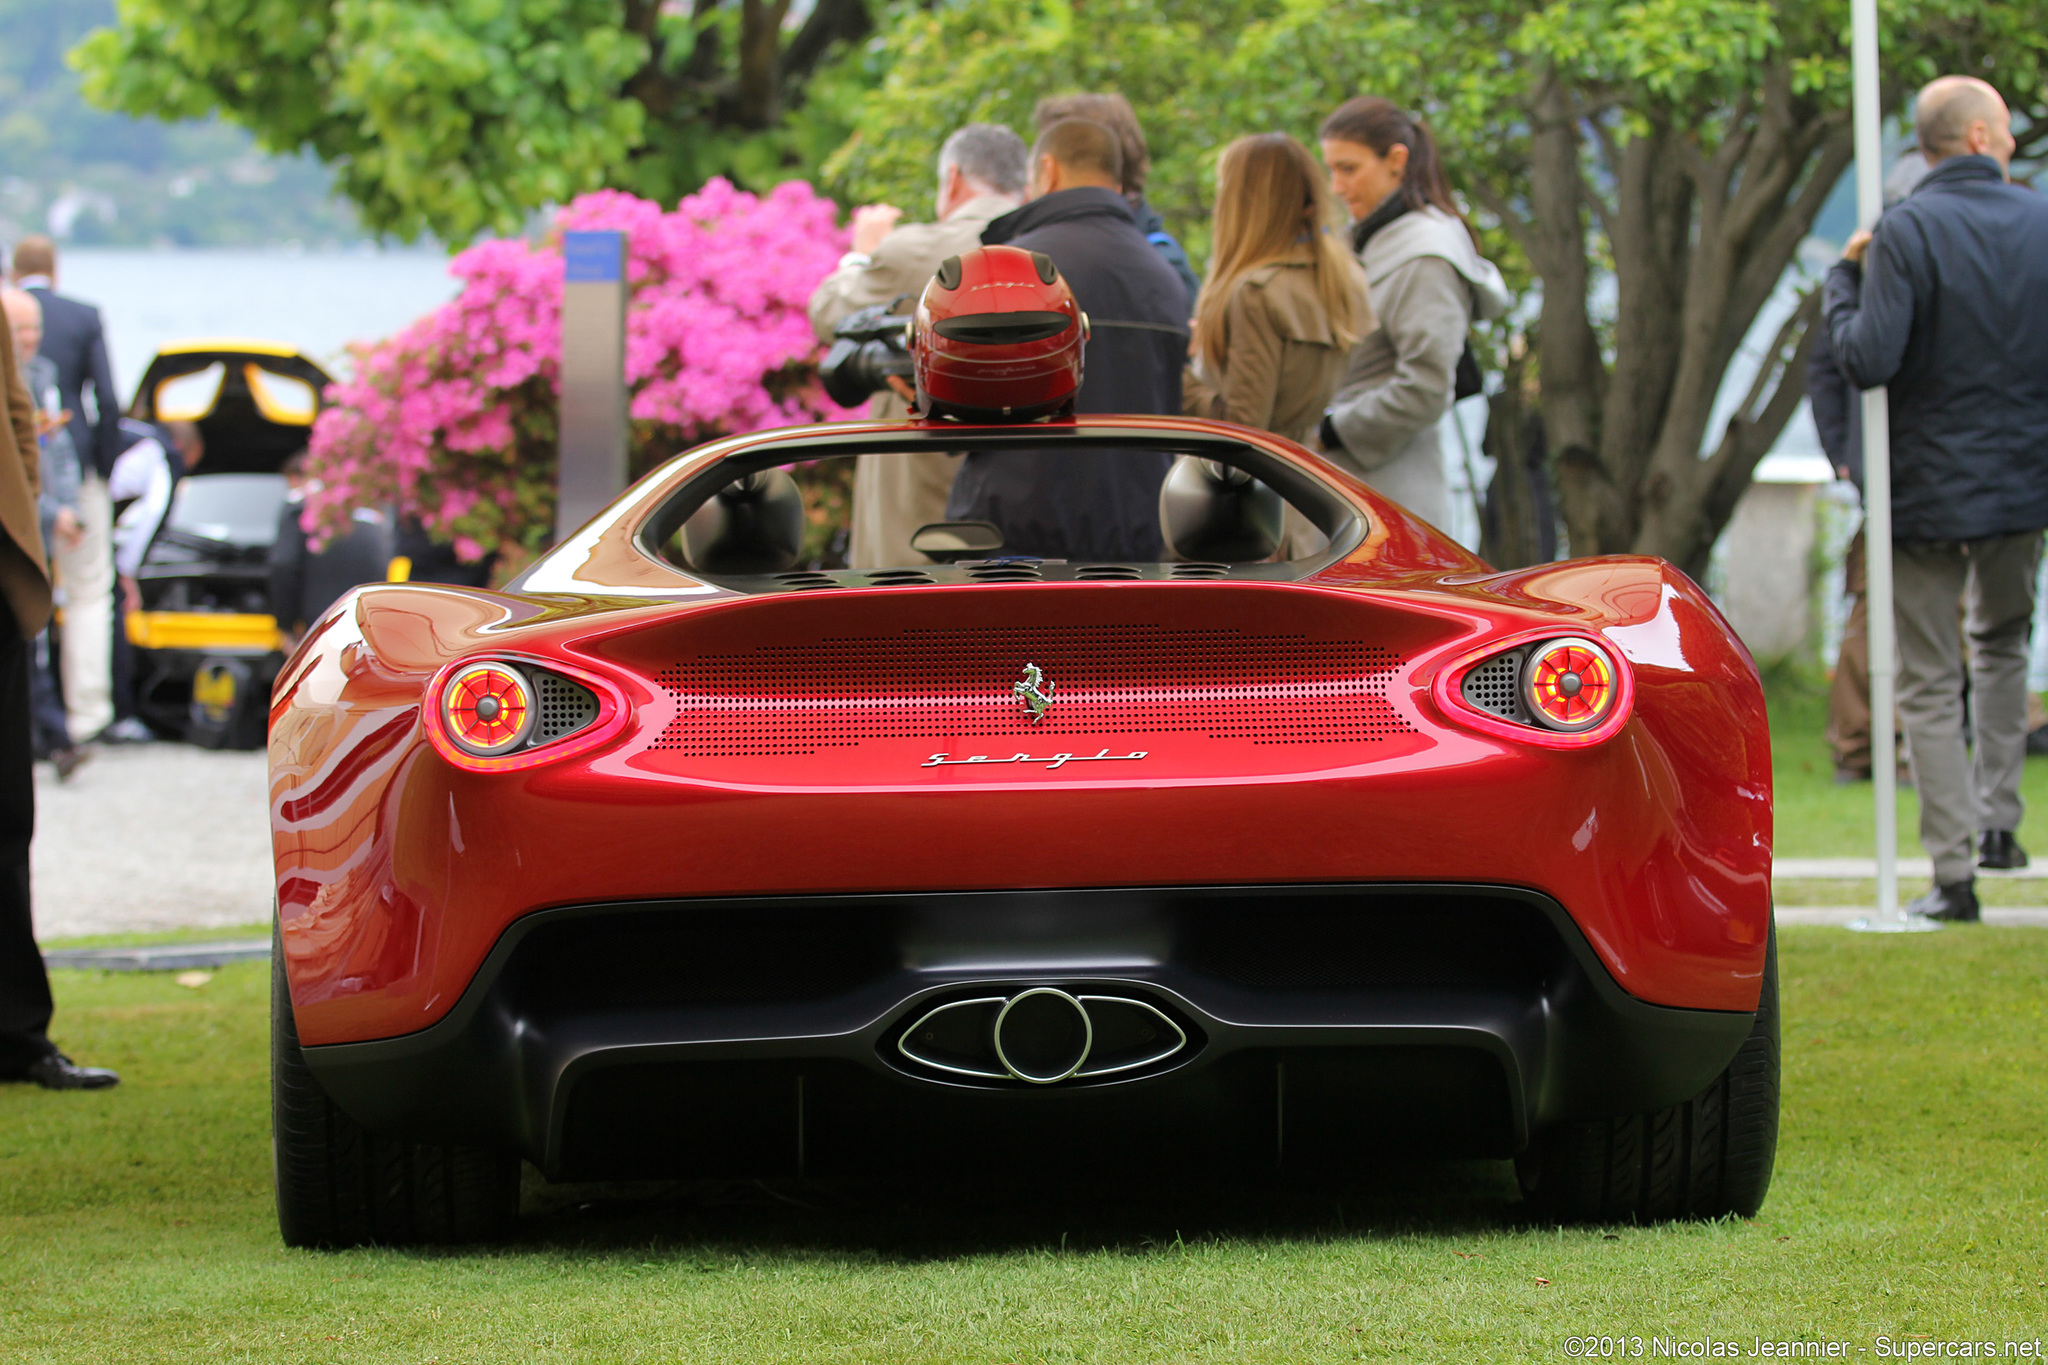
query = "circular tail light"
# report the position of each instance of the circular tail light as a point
(1569, 685)
(488, 709)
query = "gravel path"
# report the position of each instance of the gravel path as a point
(152, 836)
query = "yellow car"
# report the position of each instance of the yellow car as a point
(206, 646)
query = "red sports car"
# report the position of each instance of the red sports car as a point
(1314, 841)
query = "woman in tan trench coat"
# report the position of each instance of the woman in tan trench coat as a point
(1285, 300)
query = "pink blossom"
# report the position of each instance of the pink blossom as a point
(454, 419)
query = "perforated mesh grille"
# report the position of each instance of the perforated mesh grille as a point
(1496, 685)
(1108, 681)
(566, 706)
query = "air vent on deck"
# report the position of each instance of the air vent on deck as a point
(1200, 569)
(1005, 573)
(566, 706)
(890, 578)
(805, 578)
(1107, 573)
(1495, 686)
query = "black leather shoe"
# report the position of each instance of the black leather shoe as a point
(1955, 903)
(2001, 850)
(58, 1072)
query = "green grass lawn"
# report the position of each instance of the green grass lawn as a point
(1817, 819)
(1911, 1199)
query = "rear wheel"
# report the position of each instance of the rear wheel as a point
(340, 1185)
(1706, 1158)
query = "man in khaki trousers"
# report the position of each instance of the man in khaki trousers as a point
(26, 1053)
(982, 170)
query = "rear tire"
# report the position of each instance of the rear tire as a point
(1706, 1158)
(340, 1185)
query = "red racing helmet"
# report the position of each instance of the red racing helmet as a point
(997, 337)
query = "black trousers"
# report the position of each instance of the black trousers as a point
(52, 730)
(24, 985)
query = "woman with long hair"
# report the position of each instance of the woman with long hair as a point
(1284, 301)
(1428, 284)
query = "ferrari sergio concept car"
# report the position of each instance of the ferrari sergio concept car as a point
(1312, 842)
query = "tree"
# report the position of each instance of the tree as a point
(457, 118)
(1675, 150)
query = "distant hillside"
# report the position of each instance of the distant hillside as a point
(101, 179)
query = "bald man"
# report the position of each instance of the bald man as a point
(1947, 305)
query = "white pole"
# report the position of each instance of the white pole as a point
(1877, 503)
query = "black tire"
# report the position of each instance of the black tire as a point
(340, 1185)
(1706, 1158)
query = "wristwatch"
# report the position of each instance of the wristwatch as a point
(1328, 433)
(859, 258)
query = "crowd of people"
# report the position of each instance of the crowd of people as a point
(1357, 345)
(1353, 339)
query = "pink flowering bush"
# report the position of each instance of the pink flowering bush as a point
(454, 419)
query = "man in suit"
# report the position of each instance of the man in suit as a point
(26, 1052)
(72, 338)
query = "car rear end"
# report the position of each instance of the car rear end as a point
(1045, 870)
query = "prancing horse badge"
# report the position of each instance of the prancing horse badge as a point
(1034, 693)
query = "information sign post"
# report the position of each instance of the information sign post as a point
(593, 421)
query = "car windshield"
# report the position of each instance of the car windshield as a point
(235, 509)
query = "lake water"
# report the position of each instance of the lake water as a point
(318, 301)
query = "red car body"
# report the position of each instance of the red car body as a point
(689, 938)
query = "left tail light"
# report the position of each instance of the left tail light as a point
(494, 714)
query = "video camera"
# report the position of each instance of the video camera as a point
(868, 346)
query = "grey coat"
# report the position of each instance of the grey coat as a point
(1427, 284)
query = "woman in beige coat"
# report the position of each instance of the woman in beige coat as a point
(1285, 299)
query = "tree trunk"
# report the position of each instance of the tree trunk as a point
(758, 101)
(1700, 241)
(1511, 530)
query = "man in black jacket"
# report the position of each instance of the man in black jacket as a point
(1114, 112)
(73, 339)
(1948, 305)
(1090, 504)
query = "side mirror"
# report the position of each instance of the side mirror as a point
(1209, 510)
(752, 525)
(946, 541)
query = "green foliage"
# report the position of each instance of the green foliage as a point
(992, 60)
(464, 116)
(447, 118)
(1200, 75)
